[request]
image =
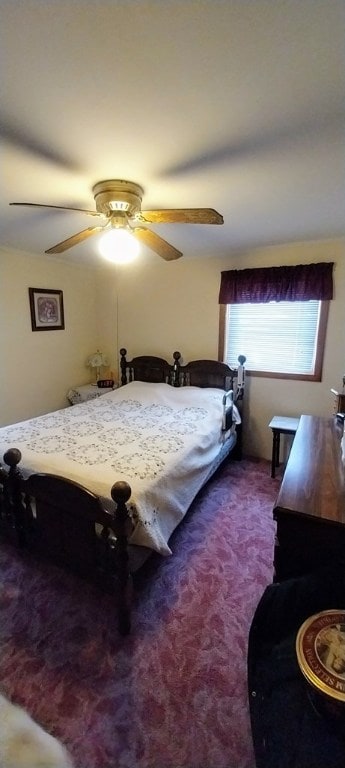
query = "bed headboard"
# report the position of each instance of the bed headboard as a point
(145, 368)
(197, 373)
(207, 373)
(211, 373)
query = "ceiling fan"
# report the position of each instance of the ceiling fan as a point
(118, 205)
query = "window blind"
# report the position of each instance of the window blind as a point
(279, 337)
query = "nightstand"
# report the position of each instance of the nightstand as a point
(86, 392)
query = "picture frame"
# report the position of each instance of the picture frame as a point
(46, 308)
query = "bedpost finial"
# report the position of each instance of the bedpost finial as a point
(12, 457)
(177, 356)
(121, 492)
(241, 359)
(123, 352)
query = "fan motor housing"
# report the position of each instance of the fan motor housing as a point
(118, 195)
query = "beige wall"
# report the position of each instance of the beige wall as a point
(37, 368)
(165, 306)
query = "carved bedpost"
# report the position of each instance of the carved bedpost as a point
(239, 397)
(123, 365)
(3, 481)
(176, 371)
(240, 377)
(13, 507)
(123, 527)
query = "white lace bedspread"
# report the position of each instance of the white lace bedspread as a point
(160, 439)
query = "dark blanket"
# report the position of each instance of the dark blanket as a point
(289, 728)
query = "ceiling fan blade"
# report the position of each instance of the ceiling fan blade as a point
(59, 208)
(183, 216)
(20, 138)
(74, 240)
(157, 244)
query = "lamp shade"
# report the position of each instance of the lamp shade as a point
(97, 360)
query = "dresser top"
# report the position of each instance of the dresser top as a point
(314, 479)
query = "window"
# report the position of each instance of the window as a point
(282, 339)
(276, 317)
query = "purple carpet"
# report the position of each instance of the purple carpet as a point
(173, 694)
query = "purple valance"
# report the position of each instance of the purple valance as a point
(262, 284)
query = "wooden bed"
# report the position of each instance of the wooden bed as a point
(67, 522)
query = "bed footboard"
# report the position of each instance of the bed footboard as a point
(62, 522)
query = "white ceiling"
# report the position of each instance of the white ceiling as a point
(236, 105)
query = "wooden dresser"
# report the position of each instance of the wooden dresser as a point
(310, 508)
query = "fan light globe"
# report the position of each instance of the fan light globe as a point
(119, 246)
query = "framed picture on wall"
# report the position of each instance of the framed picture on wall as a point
(46, 307)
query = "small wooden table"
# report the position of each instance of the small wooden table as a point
(280, 425)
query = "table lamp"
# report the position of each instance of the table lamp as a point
(97, 361)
